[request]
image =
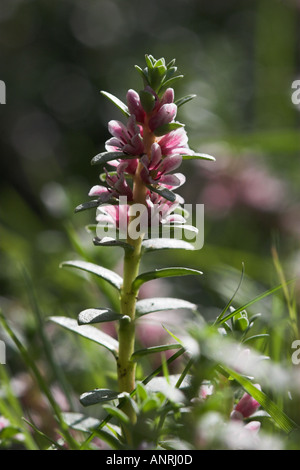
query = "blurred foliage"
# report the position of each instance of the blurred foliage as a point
(240, 58)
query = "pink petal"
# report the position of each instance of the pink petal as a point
(169, 180)
(170, 163)
(181, 179)
(117, 129)
(131, 166)
(168, 96)
(176, 138)
(100, 191)
(164, 115)
(113, 145)
(155, 155)
(132, 126)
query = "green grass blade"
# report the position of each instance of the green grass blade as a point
(253, 301)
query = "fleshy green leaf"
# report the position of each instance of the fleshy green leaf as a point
(109, 438)
(117, 413)
(117, 102)
(99, 395)
(184, 99)
(154, 349)
(170, 72)
(166, 243)
(170, 82)
(164, 192)
(164, 272)
(143, 75)
(259, 336)
(105, 157)
(106, 274)
(156, 76)
(159, 304)
(198, 156)
(166, 128)
(124, 245)
(89, 332)
(147, 100)
(87, 205)
(95, 203)
(97, 315)
(80, 422)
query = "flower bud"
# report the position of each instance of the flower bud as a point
(165, 115)
(247, 405)
(135, 106)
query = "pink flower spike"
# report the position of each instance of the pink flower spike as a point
(164, 115)
(134, 105)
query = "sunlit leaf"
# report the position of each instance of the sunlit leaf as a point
(117, 102)
(114, 243)
(164, 192)
(159, 304)
(106, 274)
(198, 156)
(99, 395)
(105, 157)
(184, 99)
(154, 349)
(166, 128)
(166, 243)
(109, 438)
(170, 82)
(89, 332)
(87, 205)
(164, 272)
(80, 422)
(97, 315)
(117, 413)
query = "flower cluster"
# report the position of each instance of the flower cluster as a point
(148, 148)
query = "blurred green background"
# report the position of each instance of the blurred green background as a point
(240, 58)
